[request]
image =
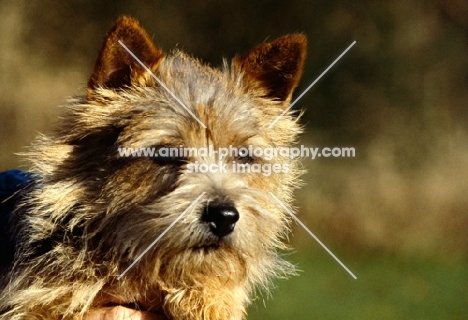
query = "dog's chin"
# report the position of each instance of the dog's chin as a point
(199, 256)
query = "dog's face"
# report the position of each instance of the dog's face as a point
(228, 225)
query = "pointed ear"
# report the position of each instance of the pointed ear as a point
(276, 66)
(115, 67)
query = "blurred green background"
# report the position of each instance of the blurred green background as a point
(396, 214)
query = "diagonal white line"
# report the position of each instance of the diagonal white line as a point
(313, 235)
(162, 84)
(160, 236)
(308, 88)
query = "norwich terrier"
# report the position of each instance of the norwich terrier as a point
(169, 236)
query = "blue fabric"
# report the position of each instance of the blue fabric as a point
(11, 181)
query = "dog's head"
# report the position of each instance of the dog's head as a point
(207, 219)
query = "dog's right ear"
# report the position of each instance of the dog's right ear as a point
(276, 66)
(115, 67)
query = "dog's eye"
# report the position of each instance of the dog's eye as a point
(165, 155)
(244, 155)
(168, 160)
(245, 159)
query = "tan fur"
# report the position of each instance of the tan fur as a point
(90, 212)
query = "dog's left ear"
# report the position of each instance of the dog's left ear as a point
(276, 66)
(115, 67)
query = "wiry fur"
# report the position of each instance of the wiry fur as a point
(89, 212)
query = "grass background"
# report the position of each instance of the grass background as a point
(388, 287)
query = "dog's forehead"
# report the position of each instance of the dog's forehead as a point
(174, 126)
(197, 94)
(193, 82)
(191, 104)
(196, 123)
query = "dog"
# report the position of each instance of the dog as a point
(82, 237)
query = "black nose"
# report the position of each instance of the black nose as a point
(222, 218)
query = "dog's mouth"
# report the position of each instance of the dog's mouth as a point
(212, 244)
(207, 247)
